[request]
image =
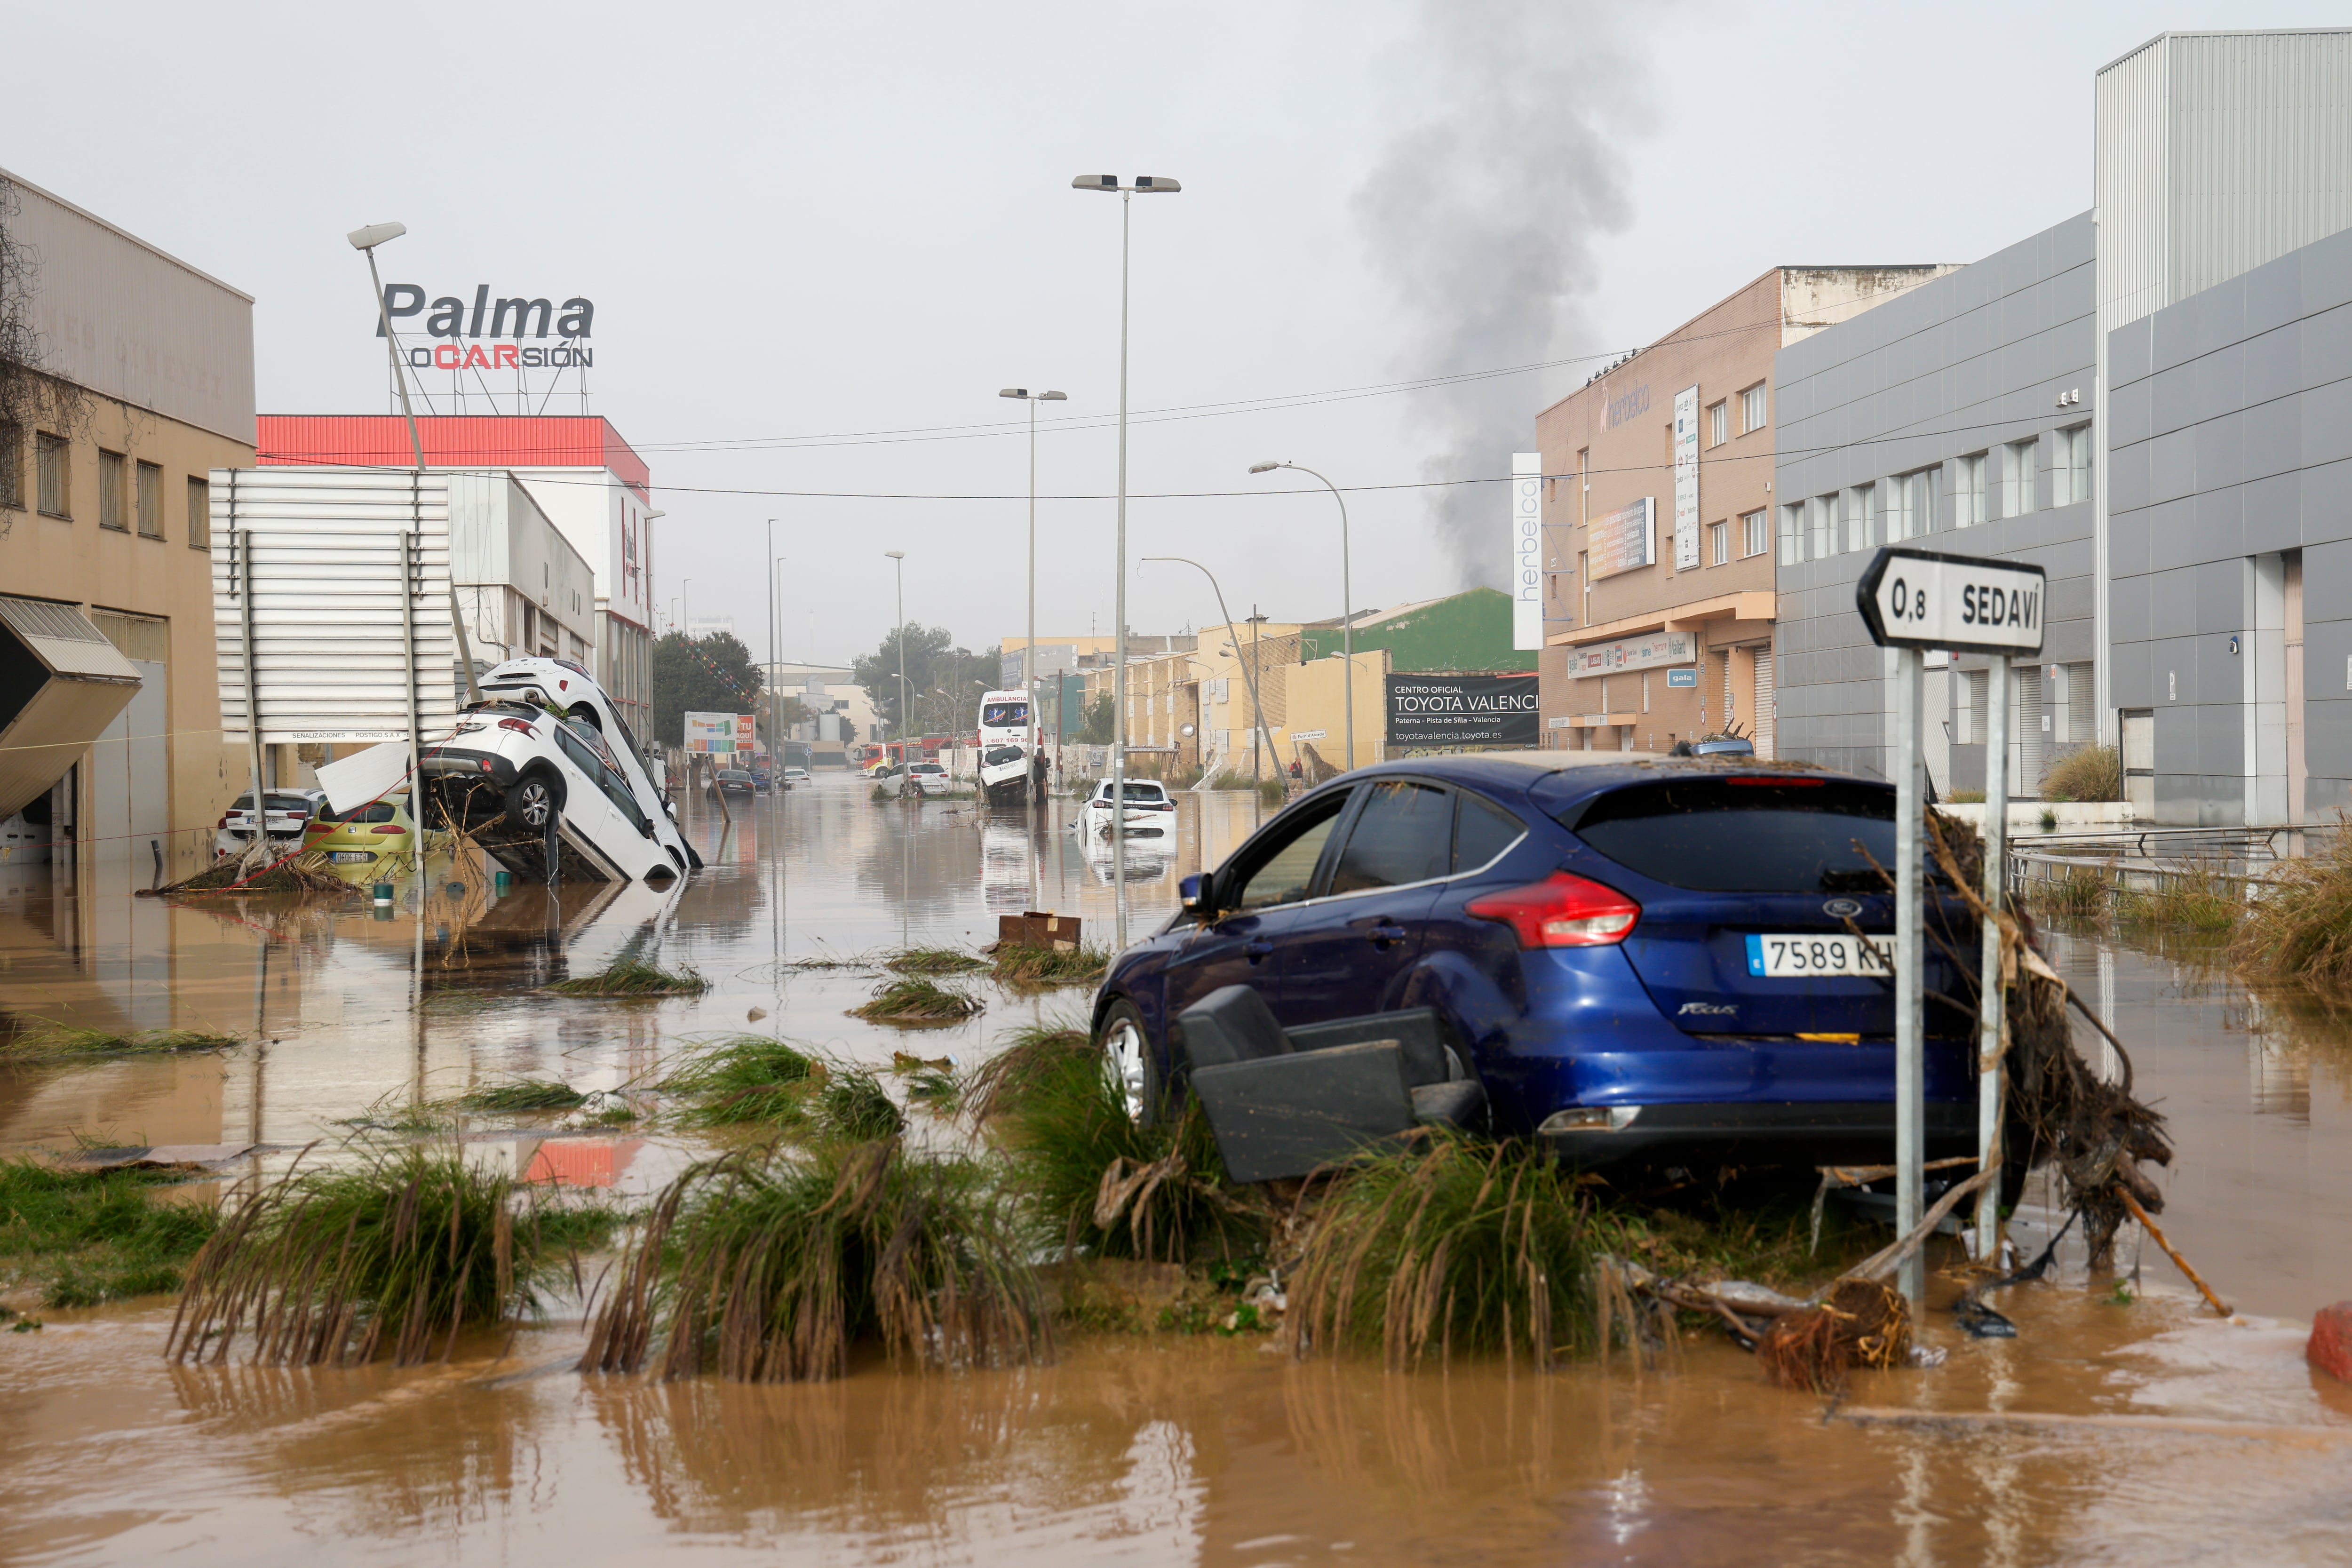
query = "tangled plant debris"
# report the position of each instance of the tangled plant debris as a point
(916, 999)
(48, 1041)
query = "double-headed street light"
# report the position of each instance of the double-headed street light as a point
(1029, 653)
(1257, 709)
(1147, 186)
(1347, 609)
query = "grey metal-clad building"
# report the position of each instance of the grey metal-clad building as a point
(2230, 468)
(1956, 417)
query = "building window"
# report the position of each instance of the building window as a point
(51, 455)
(1968, 491)
(1792, 534)
(110, 491)
(1823, 528)
(1755, 539)
(1751, 408)
(150, 498)
(200, 514)
(12, 466)
(1718, 423)
(1911, 505)
(1719, 542)
(1583, 486)
(1860, 502)
(2070, 481)
(2077, 722)
(2018, 464)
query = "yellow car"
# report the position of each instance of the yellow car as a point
(382, 831)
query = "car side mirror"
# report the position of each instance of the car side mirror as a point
(1194, 891)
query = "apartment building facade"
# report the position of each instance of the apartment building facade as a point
(1658, 587)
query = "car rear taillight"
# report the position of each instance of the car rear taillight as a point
(392, 827)
(1561, 910)
(519, 727)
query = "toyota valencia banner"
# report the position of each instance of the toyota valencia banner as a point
(1462, 711)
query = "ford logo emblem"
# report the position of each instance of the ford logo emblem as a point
(1841, 908)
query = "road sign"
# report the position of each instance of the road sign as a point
(1927, 599)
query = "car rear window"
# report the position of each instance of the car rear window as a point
(1747, 835)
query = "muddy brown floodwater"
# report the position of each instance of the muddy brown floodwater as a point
(2142, 1433)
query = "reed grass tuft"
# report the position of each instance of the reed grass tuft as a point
(633, 978)
(744, 1078)
(2094, 772)
(81, 1238)
(767, 1267)
(916, 999)
(1097, 1182)
(854, 1108)
(1081, 965)
(2080, 894)
(392, 1256)
(1034, 1055)
(2201, 897)
(934, 961)
(2299, 933)
(53, 1042)
(522, 1094)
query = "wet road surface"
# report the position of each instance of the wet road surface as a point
(1156, 1450)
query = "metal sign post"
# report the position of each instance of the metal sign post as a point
(1912, 601)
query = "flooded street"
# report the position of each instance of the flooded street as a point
(2193, 1439)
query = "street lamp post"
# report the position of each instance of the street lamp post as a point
(1346, 608)
(1029, 651)
(900, 632)
(1144, 184)
(776, 742)
(1257, 709)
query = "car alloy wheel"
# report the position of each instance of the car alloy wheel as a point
(533, 800)
(1127, 1064)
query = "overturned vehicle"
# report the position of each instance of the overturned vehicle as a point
(544, 768)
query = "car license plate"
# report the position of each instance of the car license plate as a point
(353, 856)
(1804, 956)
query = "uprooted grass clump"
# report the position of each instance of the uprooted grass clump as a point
(2080, 894)
(81, 1238)
(395, 1256)
(934, 961)
(62, 1042)
(744, 1078)
(629, 976)
(2299, 933)
(521, 1095)
(1076, 965)
(854, 1107)
(916, 999)
(767, 1267)
(1097, 1182)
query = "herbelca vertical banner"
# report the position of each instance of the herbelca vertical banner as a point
(1686, 479)
(1526, 550)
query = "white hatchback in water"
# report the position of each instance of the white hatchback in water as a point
(1151, 813)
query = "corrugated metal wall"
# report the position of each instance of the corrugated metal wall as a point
(2216, 152)
(326, 559)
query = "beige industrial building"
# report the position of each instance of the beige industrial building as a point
(1658, 595)
(110, 746)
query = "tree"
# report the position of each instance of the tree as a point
(712, 674)
(943, 681)
(29, 395)
(1099, 718)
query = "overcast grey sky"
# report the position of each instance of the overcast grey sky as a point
(804, 221)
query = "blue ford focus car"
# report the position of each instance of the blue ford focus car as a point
(1677, 958)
